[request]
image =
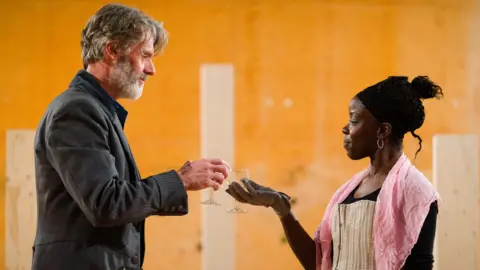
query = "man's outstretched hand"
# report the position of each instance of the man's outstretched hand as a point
(204, 173)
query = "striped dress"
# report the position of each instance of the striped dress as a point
(352, 226)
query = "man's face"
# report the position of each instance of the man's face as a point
(130, 71)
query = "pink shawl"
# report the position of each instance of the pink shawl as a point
(402, 206)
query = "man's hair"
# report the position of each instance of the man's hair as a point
(123, 26)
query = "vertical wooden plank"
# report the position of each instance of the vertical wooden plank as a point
(455, 175)
(473, 80)
(21, 203)
(217, 140)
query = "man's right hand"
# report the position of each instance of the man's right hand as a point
(204, 173)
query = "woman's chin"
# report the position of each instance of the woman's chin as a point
(352, 155)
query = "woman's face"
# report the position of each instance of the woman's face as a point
(360, 134)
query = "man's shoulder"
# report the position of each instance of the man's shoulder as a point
(73, 104)
(74, 99)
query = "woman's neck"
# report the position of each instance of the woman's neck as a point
(383, 161)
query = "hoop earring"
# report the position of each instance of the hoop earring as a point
(380, 146)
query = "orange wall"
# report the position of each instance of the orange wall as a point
(316, 53)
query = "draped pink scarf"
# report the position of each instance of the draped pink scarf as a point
(402, 206)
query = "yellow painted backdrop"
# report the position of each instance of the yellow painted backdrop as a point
(297, 65)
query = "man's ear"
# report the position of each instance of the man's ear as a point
(111, 52)
(384, 131)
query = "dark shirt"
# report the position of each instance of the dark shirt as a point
(421, 257)
(120, 110)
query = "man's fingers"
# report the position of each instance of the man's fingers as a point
(219, 161)
(221, 169)
(213, 184)
(217, 177)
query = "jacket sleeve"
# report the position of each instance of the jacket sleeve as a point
(77, 147)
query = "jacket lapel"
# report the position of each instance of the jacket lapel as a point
(84, 81)
(125, 146)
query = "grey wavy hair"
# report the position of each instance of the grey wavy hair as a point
(123, 26)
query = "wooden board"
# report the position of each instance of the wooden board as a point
(217, 140)
(21, 204)
(455, 175)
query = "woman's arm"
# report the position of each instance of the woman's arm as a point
(421, 257)
(300, 242)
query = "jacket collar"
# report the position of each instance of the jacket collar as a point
(87, 82)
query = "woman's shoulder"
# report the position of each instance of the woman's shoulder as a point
(418, 185)
(416, 178)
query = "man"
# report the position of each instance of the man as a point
(92, 202)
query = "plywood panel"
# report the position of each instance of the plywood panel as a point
(455, 175)
(217, 122)
(21, 204)
(473, 81)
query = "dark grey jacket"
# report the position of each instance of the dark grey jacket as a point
(92, 202)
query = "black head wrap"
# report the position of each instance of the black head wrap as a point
(399, 102)
(394, 101)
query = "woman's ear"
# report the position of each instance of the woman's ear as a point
(384, 131)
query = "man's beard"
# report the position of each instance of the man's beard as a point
(125, 82)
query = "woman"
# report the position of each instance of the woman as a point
(383, 218)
